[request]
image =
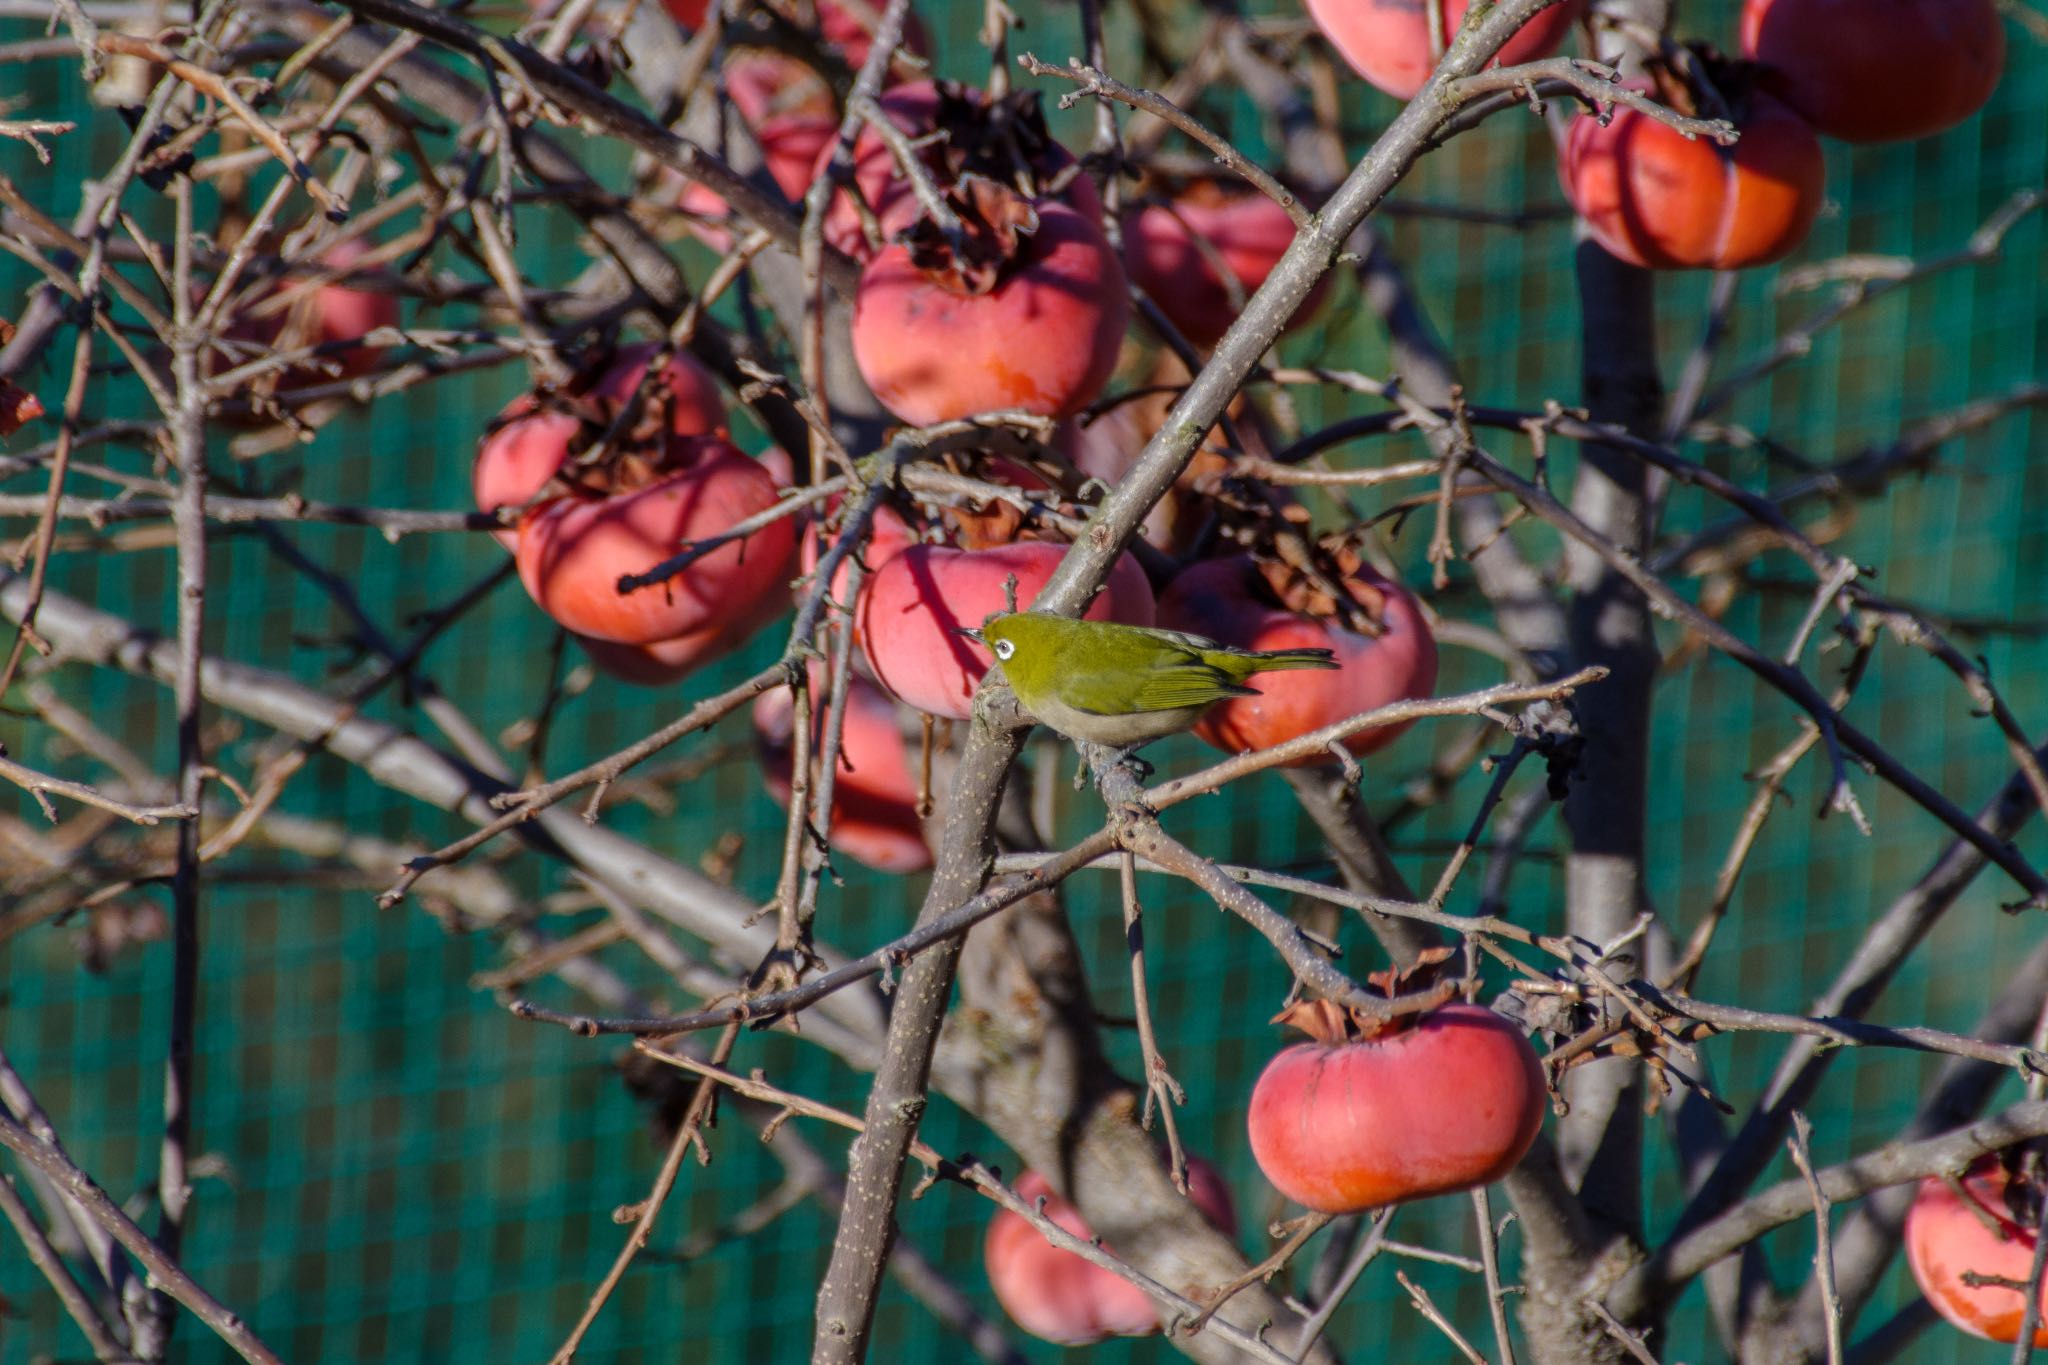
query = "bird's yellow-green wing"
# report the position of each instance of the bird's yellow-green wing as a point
(1191, 684)
(1166, 686)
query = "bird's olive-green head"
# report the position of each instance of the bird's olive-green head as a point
(1122, 685)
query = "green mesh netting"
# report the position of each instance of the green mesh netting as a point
(406, 1173)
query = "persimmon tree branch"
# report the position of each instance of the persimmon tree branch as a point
(646, 267)
(1606, 806)
(407, 764)
(983, 1180)
(1093, 81)
(1687, 1255)
(42, 786)
(162, 1266)
(1870, 967)
(1845, 738)
(188, 432)
(98, 1332)
(1870, 1235)
(897, 1097)
(1039, 873)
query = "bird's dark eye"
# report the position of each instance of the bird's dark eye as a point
(1004, 649)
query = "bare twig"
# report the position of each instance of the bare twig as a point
(1799, 1144)
(1368, 1249)
(199, 78)
(979, 1178)
(1596, 83)
(596, 109)
(1836, 731)
(188, 436)
(1160, 1087)
(1630, 1341)
(1864, 285)
(41, 786)
(650, 1207)
(1686, 1255)
(1427, 1307)
(163, 1270)
(98, 1332)
(1104, 86)
(1489, 1261)
(522, 806)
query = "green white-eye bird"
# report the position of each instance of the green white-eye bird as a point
(1123, 686)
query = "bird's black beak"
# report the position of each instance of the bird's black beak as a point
(970, 633)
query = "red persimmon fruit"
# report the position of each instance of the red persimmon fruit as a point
(1239, 601)
(1054, 1294)
(1027, 313)
(573, 551)
(1950, 1234)
(1877, 70)
(875, 793)
(1655, 198)
(1388, 41)
(1437, 1102)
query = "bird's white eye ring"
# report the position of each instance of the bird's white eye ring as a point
(1004, 648)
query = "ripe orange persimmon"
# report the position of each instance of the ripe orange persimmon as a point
(1655, 198)
(875, 793)
(573, 551)
(1949, 1236)
(1877, 70)
(1054, 1294)
(1240, 602)
(1387, 41)
(1442, 1101)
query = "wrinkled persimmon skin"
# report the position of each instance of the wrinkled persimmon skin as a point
(1215, 599)
(1248, 232)
(1878, 70)
(527, 444)
(912, 607)
(1946, 1237)
(1654, 199)
(874, 796)
(573, 551)
(1448, 1104)
(1054, 1294)
(1387, 41)
(1044, 339)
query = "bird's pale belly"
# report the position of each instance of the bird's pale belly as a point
(1123, 731)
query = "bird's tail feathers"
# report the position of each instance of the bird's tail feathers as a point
(1273, 660)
